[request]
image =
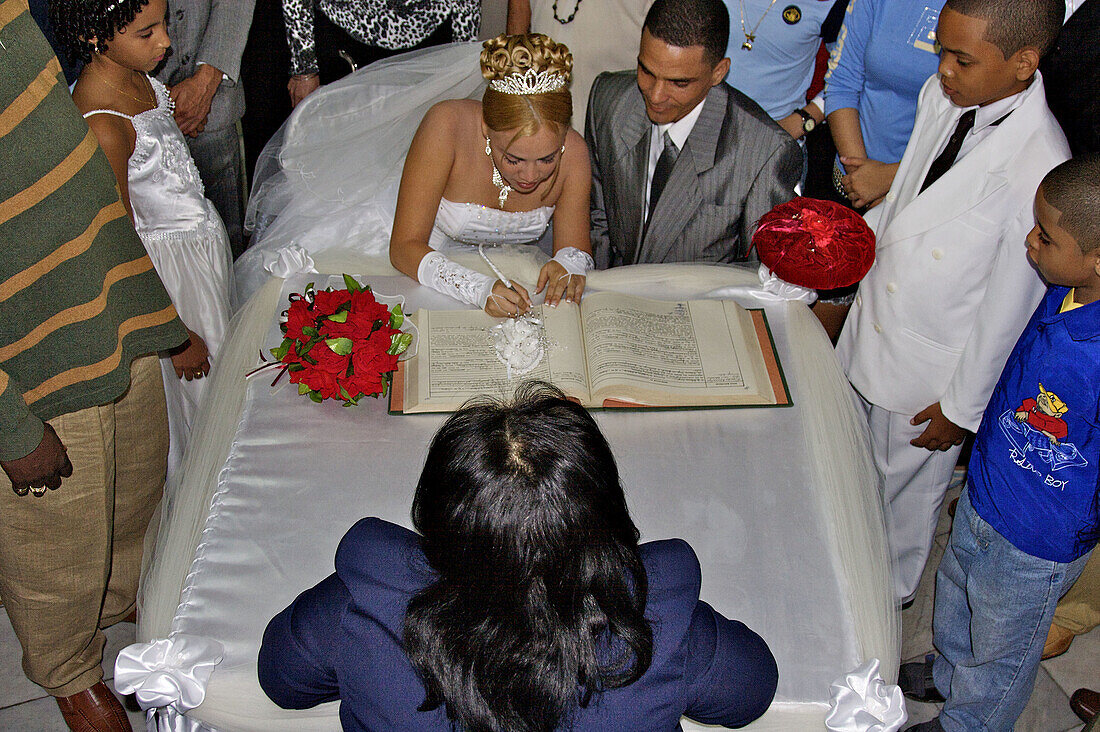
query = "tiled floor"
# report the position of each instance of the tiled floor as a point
(24, 707)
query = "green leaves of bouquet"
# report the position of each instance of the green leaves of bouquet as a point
(341, 344)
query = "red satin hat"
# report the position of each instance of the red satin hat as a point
(817, 244)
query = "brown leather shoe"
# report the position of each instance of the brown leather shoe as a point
(1085, 703)
(94, 710)
(1058, 641)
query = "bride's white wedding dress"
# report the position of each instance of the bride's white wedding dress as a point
(328, 179)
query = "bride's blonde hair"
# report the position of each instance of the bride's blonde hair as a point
(505, 56)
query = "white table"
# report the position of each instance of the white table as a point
(780, 504)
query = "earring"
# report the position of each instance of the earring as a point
(488, 147)
(563, 148)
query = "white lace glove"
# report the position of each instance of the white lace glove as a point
(454, 280)
(575, 261)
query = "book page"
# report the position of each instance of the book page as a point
(456, 359)
(702, 352)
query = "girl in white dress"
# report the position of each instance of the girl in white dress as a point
(131, 115)
(485, 166)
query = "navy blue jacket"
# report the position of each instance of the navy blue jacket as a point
(342, 640)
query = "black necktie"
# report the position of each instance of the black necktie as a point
(946, 158)
(661, 173)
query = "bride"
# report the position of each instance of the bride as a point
(492, 172)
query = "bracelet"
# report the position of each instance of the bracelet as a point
(575, 261)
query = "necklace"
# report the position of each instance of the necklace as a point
(750, 37)
(498, 179)
(125, 93)
(571, 15)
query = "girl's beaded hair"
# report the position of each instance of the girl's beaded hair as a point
(76, 21)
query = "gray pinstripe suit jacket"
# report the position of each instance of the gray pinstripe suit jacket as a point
(735, 166)
(214, 32)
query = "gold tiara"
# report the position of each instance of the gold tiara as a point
(529, 82)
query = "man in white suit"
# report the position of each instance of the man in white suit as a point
(951, 289)
(203, 76)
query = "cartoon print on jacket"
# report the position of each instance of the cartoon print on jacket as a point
(1037, 426)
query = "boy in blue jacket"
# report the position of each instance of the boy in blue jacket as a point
(1028, 518)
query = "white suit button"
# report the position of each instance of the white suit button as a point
(859, 301)
(937, 254)
(891, 287)
(878, 328)
(891, 196)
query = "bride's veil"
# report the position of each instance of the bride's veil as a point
(328, 178)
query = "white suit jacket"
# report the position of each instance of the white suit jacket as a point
(951, 288)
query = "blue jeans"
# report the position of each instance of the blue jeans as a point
(994, 604)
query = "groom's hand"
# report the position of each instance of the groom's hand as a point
(507, 302)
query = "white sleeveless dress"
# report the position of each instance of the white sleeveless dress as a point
(461, 226)
(187, 242)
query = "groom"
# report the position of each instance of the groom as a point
(683, 164)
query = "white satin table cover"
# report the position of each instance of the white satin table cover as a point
(780, 504)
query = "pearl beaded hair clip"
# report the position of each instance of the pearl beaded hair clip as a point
(529, 82)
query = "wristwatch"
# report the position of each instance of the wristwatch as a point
(808, 122)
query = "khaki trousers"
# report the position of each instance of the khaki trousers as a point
(1079, 609)
(70, 560)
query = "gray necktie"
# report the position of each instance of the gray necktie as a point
(661, 173)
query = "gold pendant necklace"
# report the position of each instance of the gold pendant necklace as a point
(750, 37)
(127, 94)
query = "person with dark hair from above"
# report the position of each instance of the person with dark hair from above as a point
(683, 164)
(524, 603)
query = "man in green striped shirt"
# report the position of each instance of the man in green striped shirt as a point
(82, 317)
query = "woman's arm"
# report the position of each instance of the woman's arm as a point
(565, 275)
(300, 645)
(867, 180)
(116, 136)
(519, 16)
(298, 16)
(730, 672)
(423, 180)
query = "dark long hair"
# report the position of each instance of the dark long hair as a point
(76, 21)
(541, 591)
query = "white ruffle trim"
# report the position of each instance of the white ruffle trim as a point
(168, 672)
(290, 260)
(862, 702)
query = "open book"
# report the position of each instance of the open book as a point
(613, 350)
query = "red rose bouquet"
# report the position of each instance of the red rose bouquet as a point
(341, 344)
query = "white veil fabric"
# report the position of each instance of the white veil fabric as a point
(329, 177)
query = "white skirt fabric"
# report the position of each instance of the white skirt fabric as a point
(195, 268)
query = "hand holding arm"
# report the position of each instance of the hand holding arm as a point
(193, 97)
(940, 434)
(867, 181)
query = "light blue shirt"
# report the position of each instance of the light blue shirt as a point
(885, 52)
(778, 70)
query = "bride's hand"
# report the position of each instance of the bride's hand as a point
(559, 283)
(507, 303)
